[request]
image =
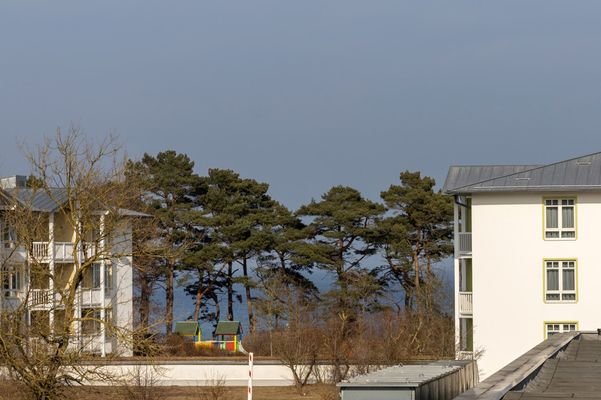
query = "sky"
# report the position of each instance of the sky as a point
(307, 94)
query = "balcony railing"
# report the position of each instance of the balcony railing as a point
(91, 297)
(465, 303)
(40, 250)
(465, 243)
(63, 251)
(38, 297)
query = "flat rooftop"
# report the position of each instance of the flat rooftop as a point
(406, 375)
(565, 366)
(573, 373)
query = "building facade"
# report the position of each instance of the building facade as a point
(527, 255)
(39, 270)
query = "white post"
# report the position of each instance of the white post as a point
(51, 297)
(250, 376)
(102, 285)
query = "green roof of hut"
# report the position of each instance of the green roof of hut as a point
(228, 328)
(187, 328)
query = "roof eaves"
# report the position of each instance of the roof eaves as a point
(462, 189)
(471, 187)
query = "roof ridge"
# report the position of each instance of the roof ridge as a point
(498, 177)
(494, 165)
(527, 170)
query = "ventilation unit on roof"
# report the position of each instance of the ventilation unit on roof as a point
(523, 178)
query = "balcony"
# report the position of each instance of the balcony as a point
(465, 303)
(91, 297)
(39, 297)
(63, 251)
(465, 243)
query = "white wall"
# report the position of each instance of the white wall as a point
(508, 252)
(122, 268)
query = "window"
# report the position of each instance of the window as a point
(11, 280)
(560, 219)
(466, 334)
(551, 328)
(560, 280)
(90, 321)
(91, 277)
(9, 236)
(39, 323)
(108, 277)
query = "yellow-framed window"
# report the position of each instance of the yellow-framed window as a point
(560, 281)
(559, 218)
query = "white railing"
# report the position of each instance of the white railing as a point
(91, 343)
(39, 297)
(90, 250)
(465, 242)
(89, 297)
(40, 250)
(465, 303)
(63, 251)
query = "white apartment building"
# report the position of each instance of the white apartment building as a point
(527, 255)
(105, 292)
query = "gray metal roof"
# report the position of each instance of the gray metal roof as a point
(39, 200)
(464, 175)
(405, 375)
(52, 199)
(576, 174)
(131, 213)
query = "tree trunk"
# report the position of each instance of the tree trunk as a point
(198, 301)
(169, 299)
(145, 294)
(249, 306)
(416, 267)
(230, 292)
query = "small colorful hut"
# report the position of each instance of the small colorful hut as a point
(189, 329)
(228, 335)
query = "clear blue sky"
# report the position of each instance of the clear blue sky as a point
(307, 94)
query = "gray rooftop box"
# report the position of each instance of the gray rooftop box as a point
(441, 380)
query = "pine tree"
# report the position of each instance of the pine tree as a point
(418, 232)
(171, 188)
(343, 227)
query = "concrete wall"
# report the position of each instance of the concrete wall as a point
(200, 374)
(508, 250)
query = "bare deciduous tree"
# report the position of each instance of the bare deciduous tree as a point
(75, 197)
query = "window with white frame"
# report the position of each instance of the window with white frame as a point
(108, 277)
(9, 236)
(560, 218)
(552, 328)
(560, 280)
(11, 280)
(90, 321)
(91, 277)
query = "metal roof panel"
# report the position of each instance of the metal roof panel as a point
(580, 173)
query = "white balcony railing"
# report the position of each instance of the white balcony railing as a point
(91, 297)
(63, 251)
(40, 250)
(93, 343)
(38, 297)
(465, 303)
(465, 243)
